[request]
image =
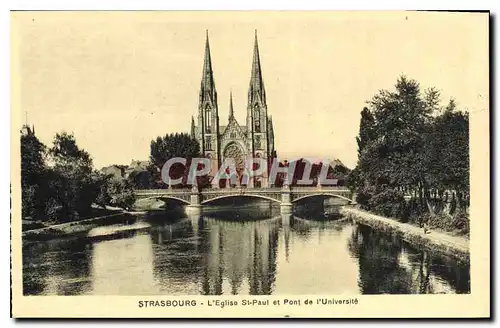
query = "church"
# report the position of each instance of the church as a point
(254, 139)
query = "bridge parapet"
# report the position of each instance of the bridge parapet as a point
(147, 192)
(327, 188)
(284, 195)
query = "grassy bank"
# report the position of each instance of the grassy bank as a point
(443, 243)
(108, 216)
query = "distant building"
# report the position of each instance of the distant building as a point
(136, 166)
(27, 130)
(116, 171)
(124, 171)
(138, 174)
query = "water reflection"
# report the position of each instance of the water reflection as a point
(47, 264)
(123, 266)
(254, 252)
(388, 265)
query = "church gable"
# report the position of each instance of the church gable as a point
(233, 131)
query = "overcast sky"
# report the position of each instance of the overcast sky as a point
(118, 80)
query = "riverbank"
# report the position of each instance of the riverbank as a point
(115, 215)
(453, 246)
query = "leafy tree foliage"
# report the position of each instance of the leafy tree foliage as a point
(173, 145)
(366, 129)
(32, 174)
(447, 157)
(60, 183)
(409, 146)
(140, 179)
(170, 146)
(116, 192)
(74, 185)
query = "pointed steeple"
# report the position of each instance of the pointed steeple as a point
(208, 115)
(231, 109)
(26, 129)
(256, 90)
(207, 79)
(193, 133)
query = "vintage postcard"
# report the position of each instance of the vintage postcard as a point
(248, 164)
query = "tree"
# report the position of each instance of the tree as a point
(366, 129)
(408, 145)
(173, 145)
(116, 192)
(74, 184)
(65, 189)
(394, 157)
(401, 121)
(32, 175)
(103, 197)
(170, 146)
(447, 157)
(140, 179)
(340, 172)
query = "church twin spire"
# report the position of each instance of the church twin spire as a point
(231, 109)
(256, 91)
(256, 138)
(207, 79)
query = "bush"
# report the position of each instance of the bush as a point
(140, 179)
(389, 203)
(119, 193)
(363, 197)
(462, 224)
(457, 223)
(53, 210)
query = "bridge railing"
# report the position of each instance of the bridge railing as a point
(320, 188)
(162, 191)
(238, 189)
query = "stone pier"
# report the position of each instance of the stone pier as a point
(286, 205)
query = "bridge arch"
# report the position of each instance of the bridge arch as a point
(167, 197)
(331, 195)
(207, 201)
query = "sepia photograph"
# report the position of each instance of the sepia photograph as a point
(265, 164)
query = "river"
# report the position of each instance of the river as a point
(257, 252)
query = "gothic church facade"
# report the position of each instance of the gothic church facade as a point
(217, 142)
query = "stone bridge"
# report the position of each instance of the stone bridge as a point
(286, 196)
